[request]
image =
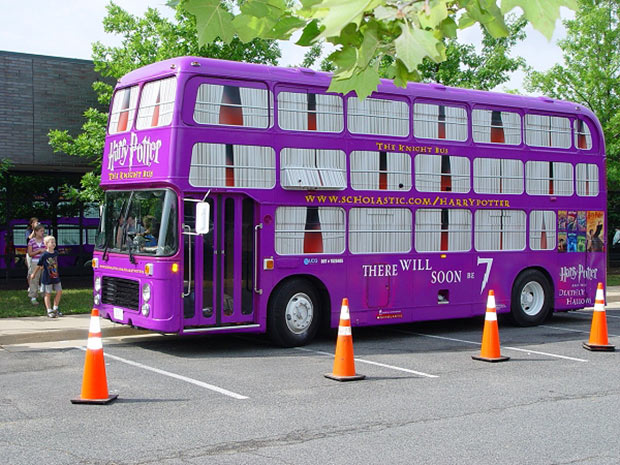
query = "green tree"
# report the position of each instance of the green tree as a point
(364, 32)
(145, 40)
(590, 74)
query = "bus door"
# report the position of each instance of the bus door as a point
(223, 261)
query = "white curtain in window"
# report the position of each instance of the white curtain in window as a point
(312, 168)
(293, 111)
(481, 126)
(500, 230)
(254, 166)
(290, 228)
(428, 230)
(456, 123)
(365, 170)
(125, 101)
(208, 99)
(539, 175)
(498, 176)
(378, 116)
(459, 230)
(379, 230)
(542, 230)
(157, 103)
(547, 131)
(254, 105)
(562, 179)
(428, 173)
(587, 180)
(332, 228)
(425, 119)
(581, 129)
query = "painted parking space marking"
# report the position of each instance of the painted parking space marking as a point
(370, 362)
(570, 330)
(529, 351)
(201, 384)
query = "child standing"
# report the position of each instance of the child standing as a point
(48, 262)
(36, 247)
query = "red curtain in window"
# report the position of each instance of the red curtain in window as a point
(581, 136)
(446, 174)
(383, 171)
(155, 118)
(313, 239)
(123, 119)
(445, 223)
(497, 128)
(543, 234)
(441, 122)
(551, 178)
(311, 112)
(232, 115)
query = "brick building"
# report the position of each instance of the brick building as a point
(39, 93)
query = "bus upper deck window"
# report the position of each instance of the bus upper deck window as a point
(157, 103)
(123, 110)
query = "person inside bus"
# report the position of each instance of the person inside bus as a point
(36, 247)
(146, 237)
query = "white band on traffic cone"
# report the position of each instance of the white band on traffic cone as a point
(344, 313)
(95, 326)
(490, 316)
(491, 301)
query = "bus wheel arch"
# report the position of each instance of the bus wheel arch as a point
(531, 298)
(297, 308)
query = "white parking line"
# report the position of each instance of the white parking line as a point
(174, 375)
(369, 362)
(570, 330)
(529, 351)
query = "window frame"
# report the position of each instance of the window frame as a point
(378, 96)
(279, 89)
(448, 104)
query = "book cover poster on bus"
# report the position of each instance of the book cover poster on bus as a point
(562, 238)
(595, 232)
(581, 231)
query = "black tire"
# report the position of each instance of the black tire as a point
(294, 313)
(532, 299)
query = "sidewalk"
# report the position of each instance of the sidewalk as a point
(75, 327)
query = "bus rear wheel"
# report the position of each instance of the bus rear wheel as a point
(532, 299)
(294, 314)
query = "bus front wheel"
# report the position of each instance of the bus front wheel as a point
(294, 314)
(532, 299)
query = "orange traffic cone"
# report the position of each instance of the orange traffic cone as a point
(490, 335)
(94, 382)
(344, 363)
(598, 332)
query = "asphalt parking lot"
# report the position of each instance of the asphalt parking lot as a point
(237, 399)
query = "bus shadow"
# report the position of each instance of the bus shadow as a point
(423, 337)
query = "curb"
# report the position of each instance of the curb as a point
(67, 335)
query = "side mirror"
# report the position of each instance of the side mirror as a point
(203, 214)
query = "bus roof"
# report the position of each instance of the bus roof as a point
(309, 77)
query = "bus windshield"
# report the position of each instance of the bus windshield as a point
(139, 222)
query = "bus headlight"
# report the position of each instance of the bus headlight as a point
(146, 308)
(146, 292)
(97, 299)
(98, 283)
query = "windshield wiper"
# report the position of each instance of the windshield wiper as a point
(130, 247)
(106, 245)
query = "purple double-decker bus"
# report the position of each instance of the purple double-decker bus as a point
(413, 203)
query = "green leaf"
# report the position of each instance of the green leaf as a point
(344, 59)
(543, 14)
(369, 46)
(285, 27)
(489, 15)
(363, 83)
(212, 21)
(264, 8)
(386, 13)
(402, 75)
(448, 28)
(250, 27)
(336, 14)
(310, 32)
(437, 13)
(414, 44)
